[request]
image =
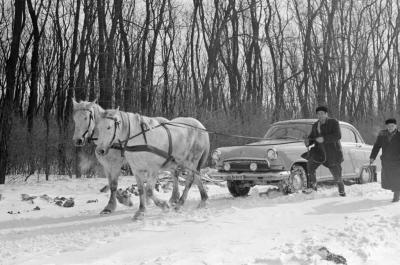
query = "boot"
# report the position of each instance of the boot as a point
(396, 196)
(311, 188)
(314, 186)
(341, 189)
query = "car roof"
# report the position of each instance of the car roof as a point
(305, 121)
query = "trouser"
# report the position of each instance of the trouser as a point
(396, 195)
(336, 171)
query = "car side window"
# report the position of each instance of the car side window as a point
(347, 135)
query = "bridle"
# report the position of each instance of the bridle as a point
(91, 117)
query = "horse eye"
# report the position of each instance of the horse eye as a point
(109, 127)
(85, 118)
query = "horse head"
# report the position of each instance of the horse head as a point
(108, 130)
(84, 113)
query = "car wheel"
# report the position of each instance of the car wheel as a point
(297, 179)
(365, 175)
(237, 188)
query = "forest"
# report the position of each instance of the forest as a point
(236, 65)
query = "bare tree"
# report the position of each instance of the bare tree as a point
(33, 95)
(7, 105)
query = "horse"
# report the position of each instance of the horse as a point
(150, 146)
(85, 115)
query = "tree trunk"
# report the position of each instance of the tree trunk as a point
(323, 84)
(60, 91)
(46, 117)
(33, 95)
(128, 87)
(71, 86)
(104, 99)
(192, 53)
(143, 78)
(7, 106)
(150, 59)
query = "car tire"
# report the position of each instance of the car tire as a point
(237, 188)
(366, 175)
(298, 178)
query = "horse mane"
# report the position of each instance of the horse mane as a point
(108, 113)
(85, 105)
(148, 121)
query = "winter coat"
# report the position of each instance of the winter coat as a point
(390, 175)
(330, 151)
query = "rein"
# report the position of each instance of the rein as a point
(122, 145)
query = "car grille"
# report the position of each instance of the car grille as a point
(240, 165)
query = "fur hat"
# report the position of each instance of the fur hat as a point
(389, 121)
(321, 108)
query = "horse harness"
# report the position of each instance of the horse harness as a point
(122, 145)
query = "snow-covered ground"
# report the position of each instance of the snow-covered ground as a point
(263, 228)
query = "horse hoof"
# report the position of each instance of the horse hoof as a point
(128, 203)
(106, 212)
(138, 216)
(165, 207)
(164, 204)
(202, 205)
(173, 202)
(177, 207)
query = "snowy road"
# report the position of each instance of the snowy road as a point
(363, 227)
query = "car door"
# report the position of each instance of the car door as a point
(349, 147)
(353, 148)
(363, 151)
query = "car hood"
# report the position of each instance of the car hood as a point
(258, 149)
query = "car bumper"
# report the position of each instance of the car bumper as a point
(250, 176)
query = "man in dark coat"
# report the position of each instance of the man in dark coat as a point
(327, 150)
(389, 141)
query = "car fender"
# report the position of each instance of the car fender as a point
(301, 162)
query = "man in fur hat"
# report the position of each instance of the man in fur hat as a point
(327, 150)
(389, 141)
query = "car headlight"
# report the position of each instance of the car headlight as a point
(272, 154)
(227, 166)
(253, 166)
(216, 155)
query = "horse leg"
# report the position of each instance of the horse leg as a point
(175, 188)
(123, 196)
(188, 185)
(202, 190)
(150, 194)
(142, 200)
(112, 202)
(199, 183)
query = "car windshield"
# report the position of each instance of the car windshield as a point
(296, 131)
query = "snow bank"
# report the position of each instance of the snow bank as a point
(263, 228)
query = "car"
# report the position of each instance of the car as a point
(276, 159)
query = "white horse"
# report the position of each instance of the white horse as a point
(150, 146)
(85, 115)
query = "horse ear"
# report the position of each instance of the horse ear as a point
(117, 108)
(96, 100)
(74, 103)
